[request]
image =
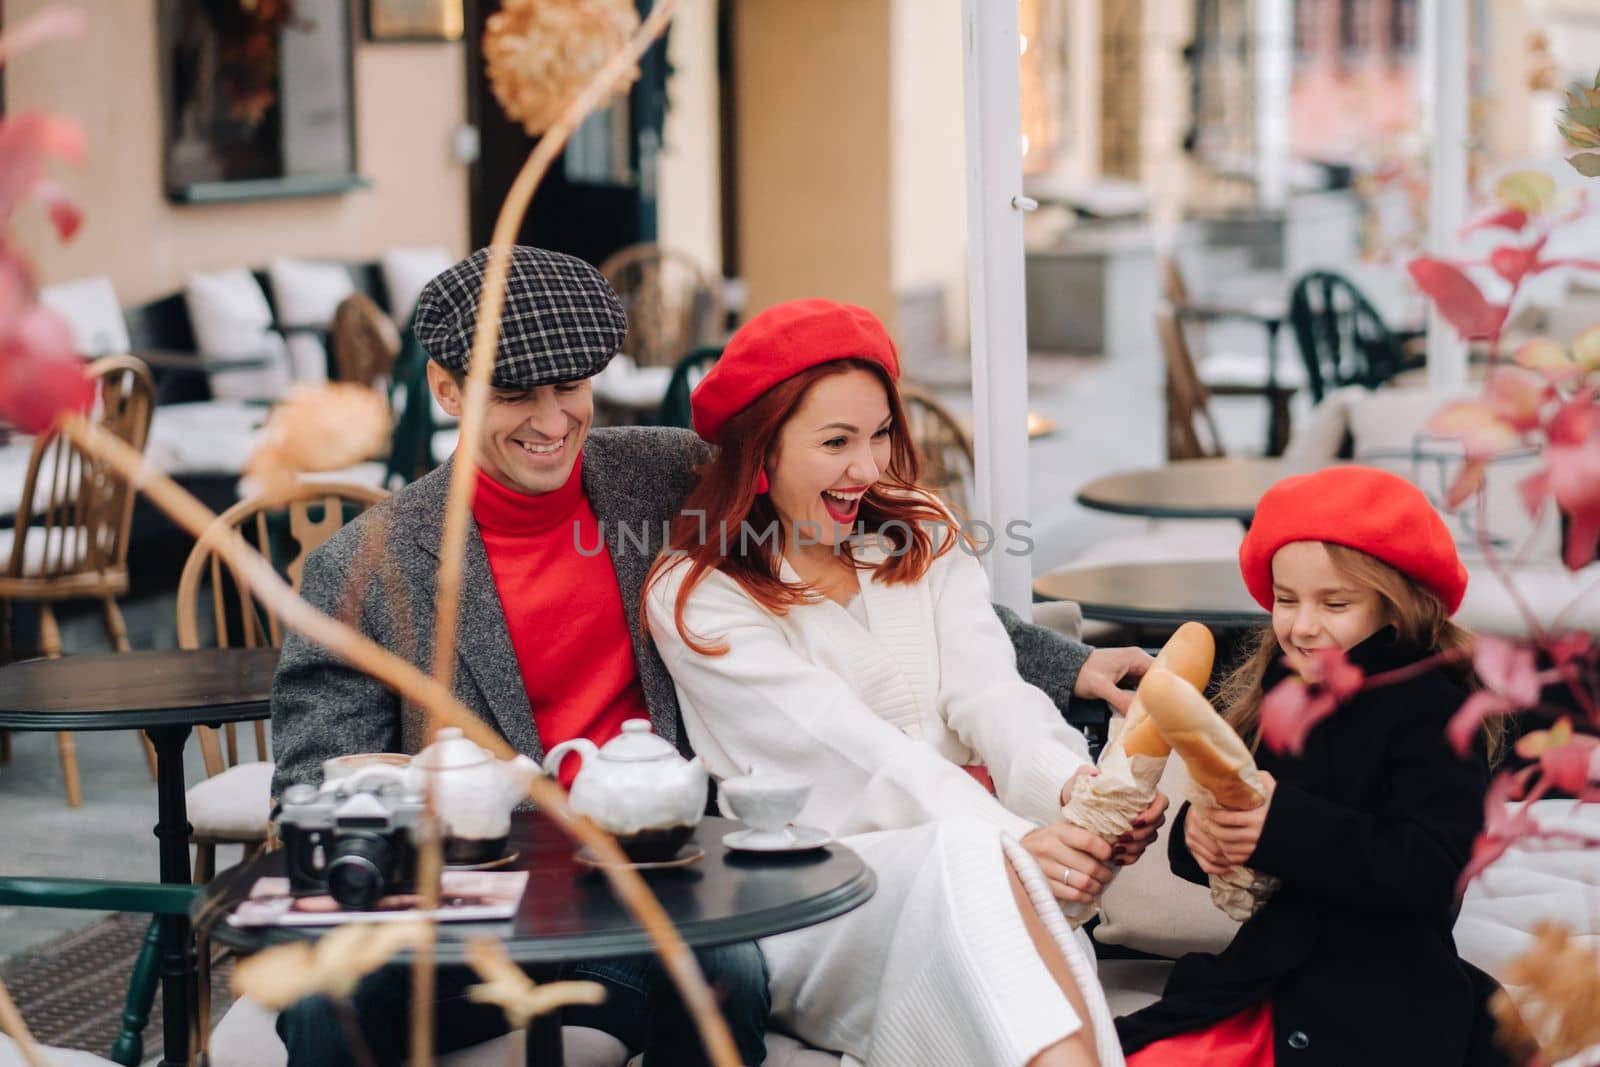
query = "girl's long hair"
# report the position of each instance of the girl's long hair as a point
(1415, 611)
(723, 524)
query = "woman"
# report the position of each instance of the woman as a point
(874, 665)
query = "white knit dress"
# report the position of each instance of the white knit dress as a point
(937, 968)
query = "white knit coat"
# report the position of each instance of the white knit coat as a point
(937, 968)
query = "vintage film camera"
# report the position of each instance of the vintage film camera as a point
(351, 839)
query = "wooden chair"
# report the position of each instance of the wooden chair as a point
(284, 527)
(948, 465)
(70, 537)
(1188, 399)
(233, 805)
(365, 342)
(1235, 373)
(673, 304)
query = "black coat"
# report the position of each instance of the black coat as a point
(1369, 830)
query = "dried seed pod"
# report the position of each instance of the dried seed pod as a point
(539, 54)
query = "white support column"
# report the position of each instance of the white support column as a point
(991, 47)
(1272, 23)
(1443, 75)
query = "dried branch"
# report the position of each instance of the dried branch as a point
(11, 1022)
(486, 336)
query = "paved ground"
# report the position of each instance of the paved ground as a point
(1110, 415)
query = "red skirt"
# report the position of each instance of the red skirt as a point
(1242, 1040)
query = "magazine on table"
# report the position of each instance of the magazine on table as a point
(464, 896)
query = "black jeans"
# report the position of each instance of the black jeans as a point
(641, 1010)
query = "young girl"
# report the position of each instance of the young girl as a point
(875, 666)
(1351, 962)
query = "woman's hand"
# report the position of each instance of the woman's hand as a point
(1073, 861)
(1221, 840)
(1127, 849)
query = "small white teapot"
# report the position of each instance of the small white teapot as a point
(638, 789)
(473, 792)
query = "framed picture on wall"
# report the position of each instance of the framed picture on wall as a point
(414, 20)
(258, 99)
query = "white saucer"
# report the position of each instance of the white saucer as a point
(789, 839)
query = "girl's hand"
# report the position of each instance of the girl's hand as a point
(1236, 833)
(1073, 861)
(1200, 835)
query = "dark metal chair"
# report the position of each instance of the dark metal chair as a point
(1342, 338)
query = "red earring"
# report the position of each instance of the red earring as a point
(762, 484)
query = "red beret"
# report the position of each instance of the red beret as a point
(1379, 513)
(779, 343)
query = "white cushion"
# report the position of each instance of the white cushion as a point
(231, 318)
(406, 271)
(626, 385)
(13, 472)
(307, 294)
(1386, 427)
(34, 547)
(234, 805)
(1546, 588)
(1534, 882)
(1249, 369)
(91, 309)
(1169, 540)
(1147, 907)
(204, 437)
(11, 1056)
(1133, 984)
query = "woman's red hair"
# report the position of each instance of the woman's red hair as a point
(726, 496)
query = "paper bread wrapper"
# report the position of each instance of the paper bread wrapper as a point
(1241, 892)
(1133, 760)
(1222, 770)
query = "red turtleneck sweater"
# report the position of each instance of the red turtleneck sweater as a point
(563, 609)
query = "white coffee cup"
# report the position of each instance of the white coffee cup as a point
(764, 802)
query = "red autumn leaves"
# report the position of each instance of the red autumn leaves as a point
(41, 374)
(1545, 401)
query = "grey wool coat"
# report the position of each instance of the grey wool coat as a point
(379, 574)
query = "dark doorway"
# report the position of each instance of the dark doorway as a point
(600, 195)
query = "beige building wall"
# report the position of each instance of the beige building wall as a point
(409, 101)
(928, 198)
(815, 158)
(690, 171)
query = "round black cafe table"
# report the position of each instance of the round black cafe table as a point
(1157, 595)
(166, 694)
(568, 912)
(1226, 488)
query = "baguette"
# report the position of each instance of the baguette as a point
(1218, 760)
(1188, 653)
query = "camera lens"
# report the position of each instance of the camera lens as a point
(360, 868)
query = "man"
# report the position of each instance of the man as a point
(550, 646)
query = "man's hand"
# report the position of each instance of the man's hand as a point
(1127, 849)
(1073, 861)
(1105, 667)
(1221, 840)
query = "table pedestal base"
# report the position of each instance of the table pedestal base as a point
(177, 954)
(544, 1031)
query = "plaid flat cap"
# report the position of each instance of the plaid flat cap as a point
(561, 321)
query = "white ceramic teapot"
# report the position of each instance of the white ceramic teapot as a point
(473, 792)
(638, 789)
